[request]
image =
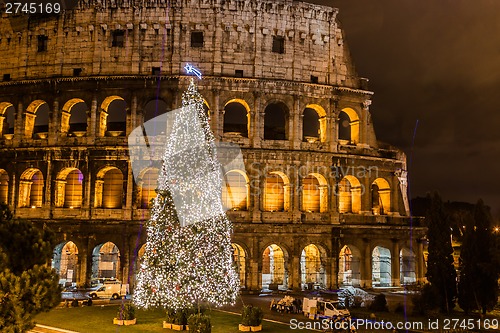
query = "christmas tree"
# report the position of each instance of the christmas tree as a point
(188, 257)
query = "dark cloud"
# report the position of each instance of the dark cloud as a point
(438, 62)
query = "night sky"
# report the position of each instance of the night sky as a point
(438, 62)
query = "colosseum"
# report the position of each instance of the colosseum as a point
(321, 203)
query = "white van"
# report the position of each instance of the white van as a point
(114, 290)
(317, 307)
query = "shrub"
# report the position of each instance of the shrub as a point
(251, 315)
(127, 312)
(426, 302)
(199, 323)
(379, 304)
(400, 308)
(170, 316)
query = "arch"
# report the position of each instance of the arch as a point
(349, 266)
(274, 270)
(237, 117)
(113, 116)
(147, 186)
(314, 123)
(7, 111)
(65, 262)
(407, 267)
(239, 259)
(381, 267)
(31, 188)
(109, 188)
(349, 126)
(105, 261)
(4, 187)
(276, 119)
(74, 117)
(277, 192)
(349, 193)
(380, 197)
(236, 190)
(37, 120)
(206, 107)
(312, 268)
(69, 188)
(314, 193)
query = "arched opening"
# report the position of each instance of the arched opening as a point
(105, 261)
(148, 187)
(239, 259)
(109, 188)
(314, 194)
(348, 128)
(274, 274)
(65, 263)
(31, 189)
(349, 195)
(7, 112)
(155, 117)
(113, 116)
(381, 197)
(236, 118)
(4, 186)
(381, 267)
(69, 188)
(313, 274)
(74, 117)
(314, 124)
(137, 262)
(235, 192)
(206, 107)
(276, 192)
(407, 267)
(37, 120)
(275, 121)
(349, 273)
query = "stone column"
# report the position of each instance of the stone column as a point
(93, 121)
(366, 271)
(258, 120)
(421, 271)
(294, 273)
(132, 116)
(130, 189)
(54, 124)
(395, 263)
(19, 130)
(295, 124)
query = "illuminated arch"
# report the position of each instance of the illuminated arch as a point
(381, 197)
(349, 266)
(4, 187)
(349, 126)
(381, 267)
(349, 192)
(31, 188)
(147, 186)
(236, 190)
(106, 261)
(34, 121)
(114, 121)
(277, 192)
(237, 117)
(314, 193)
(69, 188)
(69, 122)
(407, 267)
(274, 268)
(65, 262)
(5, 116)
(109, 188)
(314, 125)
(239, 259)
(312, 268)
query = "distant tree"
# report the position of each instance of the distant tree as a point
(478, 287)
(27, 285)
(441, 273)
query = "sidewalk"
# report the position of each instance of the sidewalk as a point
(47, 329)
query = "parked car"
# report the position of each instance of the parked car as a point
(114, 290)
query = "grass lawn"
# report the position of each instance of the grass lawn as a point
(100, 319)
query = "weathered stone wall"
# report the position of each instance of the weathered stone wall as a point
(238, 35)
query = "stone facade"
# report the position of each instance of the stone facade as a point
(340, 190)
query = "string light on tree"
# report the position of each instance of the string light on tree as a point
(188, 257)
